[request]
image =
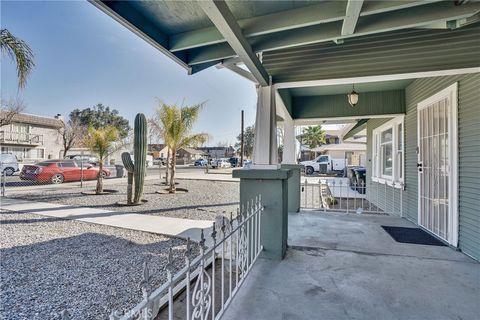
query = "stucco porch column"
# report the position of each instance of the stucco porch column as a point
(289, 161)
(267, 178)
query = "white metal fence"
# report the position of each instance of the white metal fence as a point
(209, 282)
(342, 195)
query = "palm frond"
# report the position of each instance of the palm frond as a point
(101, 141)
(194, 140)
(20, 51)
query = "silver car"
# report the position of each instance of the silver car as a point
(8, 164)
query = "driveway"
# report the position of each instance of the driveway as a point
(343, 266)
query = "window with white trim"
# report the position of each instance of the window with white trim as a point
(387, 152)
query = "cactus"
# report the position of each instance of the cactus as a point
(136, 170)
(128, 164)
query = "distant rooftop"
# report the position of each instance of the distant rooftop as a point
(36, 120)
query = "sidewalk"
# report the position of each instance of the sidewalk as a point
(182, 228)
(211, 176)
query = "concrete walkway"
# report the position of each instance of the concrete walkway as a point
(183, 228)
(343, 266)
(213, 175)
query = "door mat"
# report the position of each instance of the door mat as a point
(412, 235)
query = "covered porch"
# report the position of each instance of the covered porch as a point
(304, 58)
(342, 266)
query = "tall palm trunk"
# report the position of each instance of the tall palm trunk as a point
(173, 189)
(100, 178)
(167, 169)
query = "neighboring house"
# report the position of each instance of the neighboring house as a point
(184, 155)
(189, 155)
(158, 150)
(31, 137)
(353, 153)
(306, 153)
(218, 152)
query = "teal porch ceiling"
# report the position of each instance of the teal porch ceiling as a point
(296, 38)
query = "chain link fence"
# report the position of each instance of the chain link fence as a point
(17, 178)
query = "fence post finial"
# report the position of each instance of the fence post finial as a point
(145, 282)
(214, 233)
(202, 240)
(187, 247)
(223, 226)
(169, 265)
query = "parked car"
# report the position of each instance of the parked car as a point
(200, 163)
(234, 161)
(221, 163)
(59, 171)
(83, 158)
(8, 164)
(356, 176)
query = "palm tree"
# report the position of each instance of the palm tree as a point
(162, 119)
(313, 136)
(20, 51)
(178, 125)
(101, 142)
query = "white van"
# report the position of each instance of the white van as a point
(8, 164)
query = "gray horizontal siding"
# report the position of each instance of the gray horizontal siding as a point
(383, 196)
(331, 106)
(403, 51)
(468, 147)
(468, 155)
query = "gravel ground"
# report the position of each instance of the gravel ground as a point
(204, 201)
(49, 264)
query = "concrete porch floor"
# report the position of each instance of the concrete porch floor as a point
(342, 266)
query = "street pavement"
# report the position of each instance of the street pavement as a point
(14, 185)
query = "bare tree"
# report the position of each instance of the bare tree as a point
(72, 133)
(9, 109)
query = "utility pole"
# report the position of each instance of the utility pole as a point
(241, 142)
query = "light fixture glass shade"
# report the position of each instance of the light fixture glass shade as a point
(352, 98)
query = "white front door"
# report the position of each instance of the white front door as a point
(437, 164)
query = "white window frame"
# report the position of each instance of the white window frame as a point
(398, 159)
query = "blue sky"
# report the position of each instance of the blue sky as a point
(83, 57)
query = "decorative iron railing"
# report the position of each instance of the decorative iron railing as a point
(21, 138)
(233, 254)
(342, 195)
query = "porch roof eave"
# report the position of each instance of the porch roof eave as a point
(200, 35)
(359, 126)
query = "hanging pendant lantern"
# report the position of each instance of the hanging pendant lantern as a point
(353, 97)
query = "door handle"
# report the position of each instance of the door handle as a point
(420, 166)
